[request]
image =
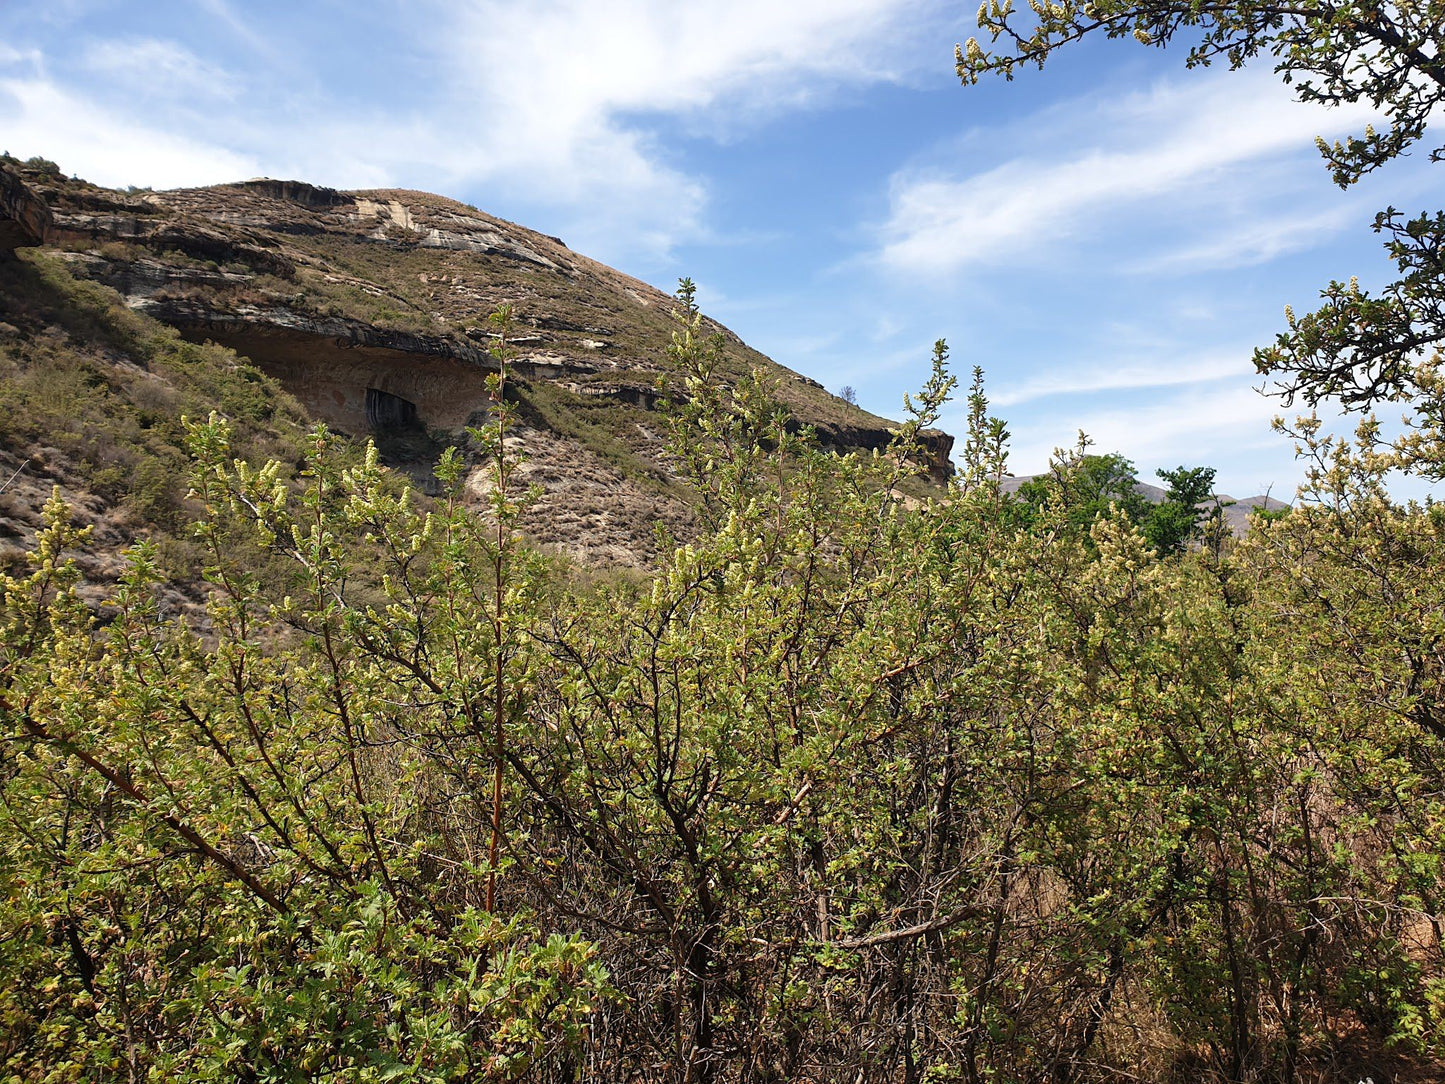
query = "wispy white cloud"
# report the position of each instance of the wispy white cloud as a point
(11, 56)
(563, 62)
(1258, 240)
(1187, 141)
(243, 30)
(1161, 372)
(1197, 427)
(157, 69)
(566, 89)
(108, 146)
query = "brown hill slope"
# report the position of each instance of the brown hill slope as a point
(369, 307)
(91, 397)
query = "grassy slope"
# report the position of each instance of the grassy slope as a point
(91, 400)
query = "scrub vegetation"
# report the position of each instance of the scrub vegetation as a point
(851, 787)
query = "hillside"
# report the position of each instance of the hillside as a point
(370, 309)
(91, 400)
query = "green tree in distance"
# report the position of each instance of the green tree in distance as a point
(1083, 487)
(1086, 486)
(1175, 521)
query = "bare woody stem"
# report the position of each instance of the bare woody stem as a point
(499, 689)
(123, 783)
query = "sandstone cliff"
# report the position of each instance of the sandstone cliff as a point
(24, 217)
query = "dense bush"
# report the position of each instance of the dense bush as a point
(849, 790)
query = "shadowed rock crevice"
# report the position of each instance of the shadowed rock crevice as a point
(385, 412)
(334, 375)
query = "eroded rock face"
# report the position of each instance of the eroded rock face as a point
(936, 445)
(307, 195)
(24, 217)
(330, 363)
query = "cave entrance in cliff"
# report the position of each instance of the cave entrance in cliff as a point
(402, 441)
(386, 411)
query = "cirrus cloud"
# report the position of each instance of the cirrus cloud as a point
(1093, 168)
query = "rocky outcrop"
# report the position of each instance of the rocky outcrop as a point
(24, 216)
(142, 279)
(195, 242)
(333, 364)
(307, 195)
(936, 445)
(484, 244)
(346, 333)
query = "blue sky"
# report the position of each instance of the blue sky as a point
(1108, 238)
